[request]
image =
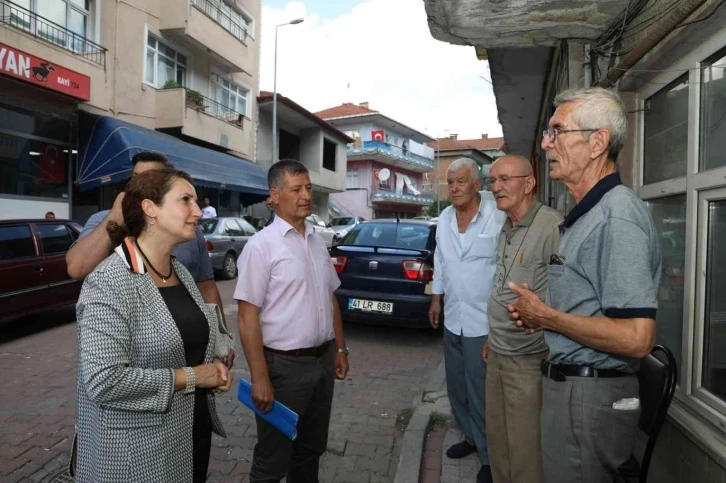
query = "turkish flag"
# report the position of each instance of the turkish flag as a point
(378, 135)
(52, 167)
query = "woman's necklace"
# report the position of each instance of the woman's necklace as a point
(163, 278)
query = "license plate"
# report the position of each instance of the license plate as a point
(370, 306)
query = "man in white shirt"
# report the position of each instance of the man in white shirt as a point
(464, 266)
(208, 211)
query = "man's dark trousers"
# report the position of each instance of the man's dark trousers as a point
(305, 385)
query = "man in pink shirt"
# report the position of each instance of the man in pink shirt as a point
(291, 329)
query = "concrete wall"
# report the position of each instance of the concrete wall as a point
(355, 201)
(14, 209)
(311, 149)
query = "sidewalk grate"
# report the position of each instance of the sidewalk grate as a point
(60, 476)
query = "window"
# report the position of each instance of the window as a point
(230, 95)
(164, 64)
(208, 226)
(351, 179)
(714, 332)
(226, 14)
(247, 229)
(16, 242)
(669, 214)
(33, 168)
(58, 17)
(54, 238)
(713, 112)
(666, 133)
(288, 145)
(232, 228)
(393, 235)
(329, 155)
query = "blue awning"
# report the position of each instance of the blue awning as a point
(108, 144)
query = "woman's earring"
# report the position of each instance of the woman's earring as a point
(150, 227)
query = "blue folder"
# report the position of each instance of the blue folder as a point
(280, 416)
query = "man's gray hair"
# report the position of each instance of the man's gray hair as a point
(276, 174)
(461, 163)
(599, 108)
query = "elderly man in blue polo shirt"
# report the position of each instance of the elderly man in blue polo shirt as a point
(465, 262)
(599, 319)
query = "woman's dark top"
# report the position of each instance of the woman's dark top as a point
(194, 330)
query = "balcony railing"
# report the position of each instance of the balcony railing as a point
(389, 150)
(401, 197)
(40, 27)
(206, 105)
(213, 11)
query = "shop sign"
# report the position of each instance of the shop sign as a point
(26, 67)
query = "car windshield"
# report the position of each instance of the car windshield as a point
(392, 235)
(208, 226)
(343, 221)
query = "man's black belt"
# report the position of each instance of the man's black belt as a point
(307, 352)
(560, 372)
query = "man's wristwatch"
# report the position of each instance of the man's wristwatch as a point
(345, 351)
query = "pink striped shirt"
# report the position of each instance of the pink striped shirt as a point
(292, 280)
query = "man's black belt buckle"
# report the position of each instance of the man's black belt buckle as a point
(560, 372)
(307, 352)
(551, 371)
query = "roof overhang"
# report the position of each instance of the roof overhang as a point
(299, 116)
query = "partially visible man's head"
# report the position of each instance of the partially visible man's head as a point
(147, 160)
(462, 178)
(512, 181)
(290, 189)
(50, 216)
(598, 122)
(206, 201)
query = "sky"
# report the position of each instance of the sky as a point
(380, 52)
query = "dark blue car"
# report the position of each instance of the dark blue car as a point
(385, 267)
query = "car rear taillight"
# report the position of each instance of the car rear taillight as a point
(417, 270)
(210, 247)
(339, 263)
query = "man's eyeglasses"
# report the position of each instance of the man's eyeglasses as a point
(553, 132)
(506, 178)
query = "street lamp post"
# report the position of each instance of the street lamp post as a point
(274, 93)
(438, 164)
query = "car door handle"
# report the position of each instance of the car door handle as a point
(38, 267)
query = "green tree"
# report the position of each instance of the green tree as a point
(432, 211)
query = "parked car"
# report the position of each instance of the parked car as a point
(33, 272)
(384, 267)
(322, 229)
(226, 237)
(342, 225)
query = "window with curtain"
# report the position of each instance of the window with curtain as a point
(230, 95)
(713, 112)
(163, 64)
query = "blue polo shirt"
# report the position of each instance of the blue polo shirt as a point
(192, 254)
(609, 265)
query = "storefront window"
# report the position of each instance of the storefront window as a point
(669, 214)
(713, 112)
(714, 351)
(666, 133)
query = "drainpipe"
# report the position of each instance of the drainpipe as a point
(661, 31)
(587, 64)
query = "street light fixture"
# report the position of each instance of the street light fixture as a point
(274, 94)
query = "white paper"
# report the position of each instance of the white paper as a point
(627, 404)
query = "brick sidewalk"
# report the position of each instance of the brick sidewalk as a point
(388, 369)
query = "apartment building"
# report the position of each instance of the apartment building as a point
(85, 84)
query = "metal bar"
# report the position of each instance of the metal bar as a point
(214, 108)
(225, 21)
(40, 27)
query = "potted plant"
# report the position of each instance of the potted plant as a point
(172, 84)
(194, 98)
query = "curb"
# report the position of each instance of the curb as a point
(409, 463)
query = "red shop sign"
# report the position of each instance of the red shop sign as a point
(29, 68)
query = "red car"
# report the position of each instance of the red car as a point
(33, 272)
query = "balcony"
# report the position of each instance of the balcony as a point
(390, 154)
(202, 118)
(205, 25)
(15, 16)
(402, 198)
